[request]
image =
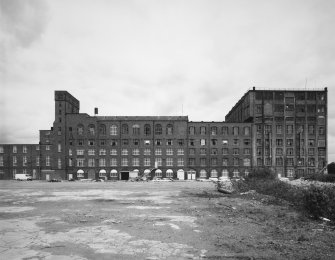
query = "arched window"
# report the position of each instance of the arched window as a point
(91, 130)
(203, 174)
(80, 129)
(158, 129)
(125, 129)
(113, 130)
(214, 173)
(102, 129)
(225, 173)
(147, 129)
(136, 129)
(202, 130)
(169, 129)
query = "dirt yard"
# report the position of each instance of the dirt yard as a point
(152, 220)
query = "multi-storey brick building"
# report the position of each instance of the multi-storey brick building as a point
(284, 130)
(289, 128)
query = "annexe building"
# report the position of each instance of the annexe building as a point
(284, 130)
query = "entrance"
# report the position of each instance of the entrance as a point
(91, 174)
(124, 176)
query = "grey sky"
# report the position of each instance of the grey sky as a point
(155, 57)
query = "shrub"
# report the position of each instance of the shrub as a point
(331, 168)
(276, 188)
(321, 177)
(262, 173)
(319, 201)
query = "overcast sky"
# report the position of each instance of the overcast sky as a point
(159, 57)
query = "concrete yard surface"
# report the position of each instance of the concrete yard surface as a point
(152, 220)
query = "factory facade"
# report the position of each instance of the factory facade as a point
(283, 130)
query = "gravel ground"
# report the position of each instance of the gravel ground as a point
(152, 220)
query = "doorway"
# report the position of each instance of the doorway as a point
(124, 176)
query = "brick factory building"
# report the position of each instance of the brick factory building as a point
(285, 130)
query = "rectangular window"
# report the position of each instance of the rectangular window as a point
(102, 162)
(279, 129)
(289, 129)
(136, 162)
(136, 151)
(247, 151)
(202, 161)
(289, 161)
(191, 130)
(214, 151)
(224, 151)
(147, 162)
(289, 142)
(80, 152)
(202, 142)
(169, 142)
(279, 151)
(1, 149)
(202, 151)
(214, 161)
(37, 161)
(102, 152)
(191, 161)
(158, 162)
(47, 161)
(246, 162)
(80, 162)
(136, 142)
(180, 142)
(91, 152)
(91, 162)
(191, 151)
(14, 149)
(113, 142)
(247, 141)
(169, 151)
(146, 142)
(124, 152)
(125, 141)
(180, 152)
(236, 151)
(158, 151)
(289, 151)
(24, 149)
(59, 163)
(147, 151)
(225, 162)
(1, 160)
(113, 152)
(180, 162)
(311, 142)
(124, 162)
(321, 130)
(236, 161)
(235, 130)
(158, 142)
(225, 130)
(279, 161)
(70, 162)
(225, 142)
(191, 142)
(279, 142)
(113, 162)
(59, 147)
(214, 142)
(169, 162)
(24, 161)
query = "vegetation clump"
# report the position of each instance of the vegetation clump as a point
(317, 201)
